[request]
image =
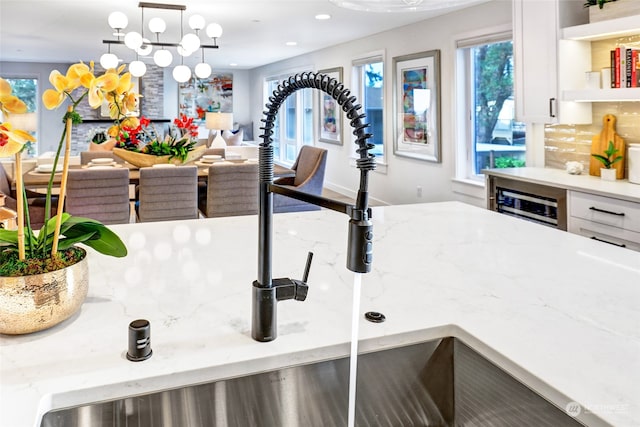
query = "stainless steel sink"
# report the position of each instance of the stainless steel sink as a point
(436, 383)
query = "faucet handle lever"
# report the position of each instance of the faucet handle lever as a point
(307, 267)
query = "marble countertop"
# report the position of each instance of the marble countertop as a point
(557, 311)
(620, 189)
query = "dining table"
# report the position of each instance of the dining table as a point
(35, 180)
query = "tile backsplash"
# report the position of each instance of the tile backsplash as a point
(563, 143)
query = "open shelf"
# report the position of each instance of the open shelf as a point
(602, 95)
(612, 28)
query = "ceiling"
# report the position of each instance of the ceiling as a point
(255, 31)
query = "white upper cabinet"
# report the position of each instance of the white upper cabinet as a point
(538, 78)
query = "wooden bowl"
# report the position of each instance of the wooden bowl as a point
(143, 160)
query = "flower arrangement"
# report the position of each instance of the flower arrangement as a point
(23, 251)
(145, 139)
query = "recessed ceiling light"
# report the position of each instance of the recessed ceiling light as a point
(323, 16)
(233, 64)
(291, 43)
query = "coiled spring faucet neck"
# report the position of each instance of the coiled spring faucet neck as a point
(265, 289)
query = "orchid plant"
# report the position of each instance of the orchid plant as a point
(51, 246)
(144, 138)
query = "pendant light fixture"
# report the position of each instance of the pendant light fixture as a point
(189, 43)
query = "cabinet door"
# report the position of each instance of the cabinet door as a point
(535, 39)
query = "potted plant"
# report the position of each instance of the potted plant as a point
(100, 141)
(44, 274)
(607, 172)
(599, 3)
(142, 146)
(602, 10)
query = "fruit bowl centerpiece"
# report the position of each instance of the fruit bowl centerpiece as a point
(141, 145)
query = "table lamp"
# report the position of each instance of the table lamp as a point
(219, 122)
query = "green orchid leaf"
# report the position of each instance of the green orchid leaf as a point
(9, 236)
(97, 236)
(67, 242)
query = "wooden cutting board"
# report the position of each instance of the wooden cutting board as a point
(600, 143)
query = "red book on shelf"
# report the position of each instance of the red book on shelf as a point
(617, 67)
(632, 68)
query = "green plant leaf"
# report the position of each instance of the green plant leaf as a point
(9, 236)
(95, 235)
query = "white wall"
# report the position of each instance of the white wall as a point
(403, 175)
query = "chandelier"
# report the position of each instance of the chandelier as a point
(189, 43)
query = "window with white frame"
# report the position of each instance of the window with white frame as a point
(488, 134)
(368, 87)
(293, 126)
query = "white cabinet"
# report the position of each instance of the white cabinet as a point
(578, 38)
(536, 51)
(605, 219)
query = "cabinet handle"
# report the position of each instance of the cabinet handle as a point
(593, 208)
(551, 102)
(621, 245)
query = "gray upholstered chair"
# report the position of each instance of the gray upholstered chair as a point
(100, 194)
(168, 193)
(232, 190)
(87, 156)
(36, 201)
(309, 167)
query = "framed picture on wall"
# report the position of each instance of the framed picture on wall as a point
(330, 122)
(197, 97)
(416, 106)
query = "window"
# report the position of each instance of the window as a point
(489, 136)
(293, 126)
(368, 78)
(27, 90)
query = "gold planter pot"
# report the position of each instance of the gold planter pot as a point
(34, 303)
(143, 160)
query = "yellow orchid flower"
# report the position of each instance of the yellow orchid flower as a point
(130, 122)
(75, 75)
(12, 140)
(107, 82)
(125, 84)
(5, 87)
(52, 98)
(8, 102)
(130, 101)
(113, 131)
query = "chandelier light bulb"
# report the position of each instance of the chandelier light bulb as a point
(190, 42)
(145, 49)
(118, 20)
(196, 22)
(162, 58)
(181, 73)
(214, 30)
(203, 70)
(182, 51)
(137, 68)
(157, 25)
(133, 40)
(108, 60)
